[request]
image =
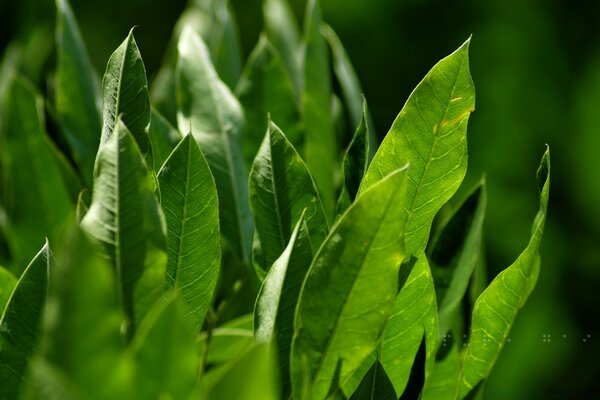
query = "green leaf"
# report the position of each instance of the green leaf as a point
(355, 278)
(355, 163)
(497, 307)
(7, 284)
(281, 188)
(126, 223)
(254, 377)
(229, 341)
(163, 138)
(430, 133)
(35, 197)
(225, 44)
(21, 321)
(77, 92)
(414, 316)
(320, 148)
(189, 200)
(277, 299)
(375, 385)
(442, 383)
(82, 324)
(125, 94)
(209, 109)
(166, 353)
(282, 31)
(350, 85)
(455, 254)
(265, 89)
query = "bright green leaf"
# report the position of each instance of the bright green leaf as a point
(265, 89)
(126, 223)
(281, 188)
(355, 278)
(7, 284)
(442, 383)
(21, 321)
(430, 133)
(189, 200)
(77, 92)
(497, 307)
(163, 138)
(208, 108)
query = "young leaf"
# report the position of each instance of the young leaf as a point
(355, 278)
(77, 92)
(163, 138)
(355, 163)
(209, 109)
(20, 323)
(166, 353)
(7, 284)
(189, 200)
(35, 197)
(375, 385)
(125, 94)
(281, 188)
(431, 134)
(276, 301)
(282, 31)
(497, 307)
(126, 223)
(455, 254)
(266, 89)
(320, 148)
(82, 323)
(350, 85)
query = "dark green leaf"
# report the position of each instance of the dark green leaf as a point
(497, 307)
(21, 321)
(126, 223)
(189, 200)
(265, 89)
(208, 108)
(77, 92)
(281, 188)
(163, 138)
(354, 277)
(375, 386)
(7, 284)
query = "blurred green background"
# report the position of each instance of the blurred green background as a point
(536, 67)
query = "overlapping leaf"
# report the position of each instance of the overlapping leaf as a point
(7, 284)
(163, 138)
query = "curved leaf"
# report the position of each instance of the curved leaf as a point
(209, 109)
(163, 138)
(265, 89)
(281, 188)
(7, 284)
(496, 308)
(125, 94)
(277, 299)
(355, 277)
(126, 223)
(21, 321)
(77, 92)
(430, 133)
(189, 200)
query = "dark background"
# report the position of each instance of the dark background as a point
(536, 67)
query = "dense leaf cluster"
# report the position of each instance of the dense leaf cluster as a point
(221, 235)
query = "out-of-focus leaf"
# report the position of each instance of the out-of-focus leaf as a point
(7, 284)
(229, 341)
(207, 107)
(265, 89)
(375, 385)
(83, 205)
(277, 299)
(350, 85)
(281, 188)
(35, 197)
(82, 323)
(355, 278)
(430, 133)
(20, 323)
(126, 223)
(355, 163)
(189, 201)
(125, 94)
(454, 254)
(166, 353)
(163, 138)
(497, 307)
(77, 92)
(320, 149)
